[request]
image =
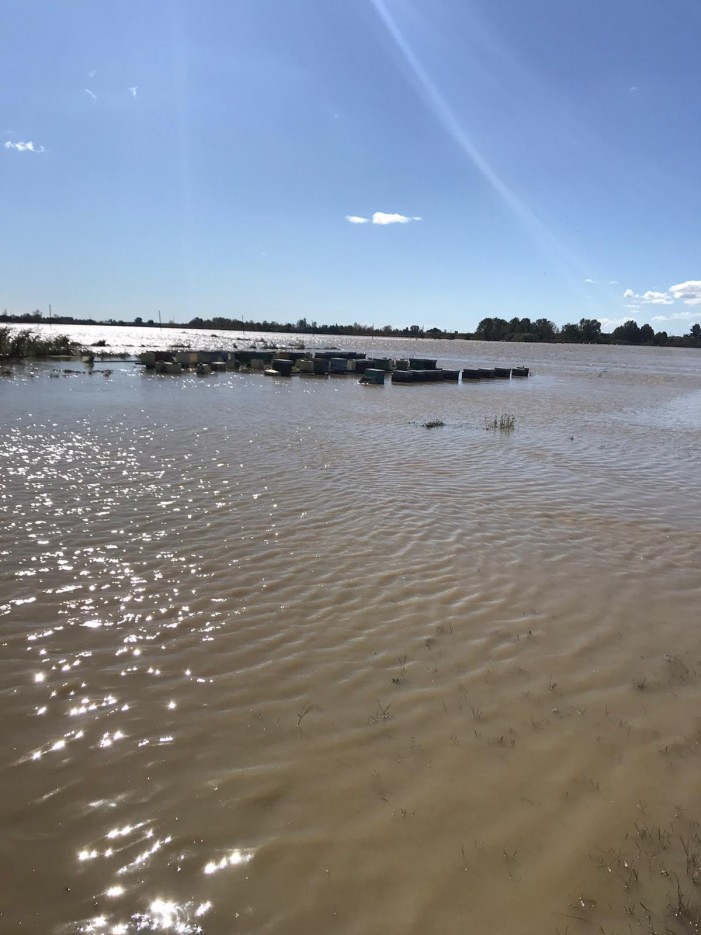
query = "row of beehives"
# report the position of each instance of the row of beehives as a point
(322, 363)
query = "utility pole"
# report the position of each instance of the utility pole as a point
(160, 323)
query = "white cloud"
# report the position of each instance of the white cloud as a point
(28, 147)
(651, 297)
(92, 95)
(689, 292)
(677, 316)
(609, 324)
(588, 280)
(134, 90)
(633, 88)
(657, 298)
(382, 218)
(92, 73)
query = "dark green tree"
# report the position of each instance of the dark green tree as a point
(570, 333)
(492, 329)
(543, 329)
(628, 332)
(590, 330)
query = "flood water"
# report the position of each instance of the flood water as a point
(276, 658)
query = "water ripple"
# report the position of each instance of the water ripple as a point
(278, 658)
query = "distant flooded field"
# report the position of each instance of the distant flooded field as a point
(276, 658)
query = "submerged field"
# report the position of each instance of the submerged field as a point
(278, 659)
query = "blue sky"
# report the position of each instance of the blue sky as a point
(428, 162)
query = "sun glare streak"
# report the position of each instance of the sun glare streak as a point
(234, 859)
(180, 77)
(445, 115)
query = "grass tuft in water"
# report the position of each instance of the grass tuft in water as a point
(304, 711)
(652, 881)
(503, 423)
(433, 424)
(686, 912)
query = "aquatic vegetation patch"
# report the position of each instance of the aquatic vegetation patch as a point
(649, 882)
(503, 423)
(18, 345)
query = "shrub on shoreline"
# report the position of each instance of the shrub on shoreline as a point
(18, 345)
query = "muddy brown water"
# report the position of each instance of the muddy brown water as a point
(278, 659)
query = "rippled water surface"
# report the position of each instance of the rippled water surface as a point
(278, 659)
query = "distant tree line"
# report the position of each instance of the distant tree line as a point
(587, 331)
(302, 326)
